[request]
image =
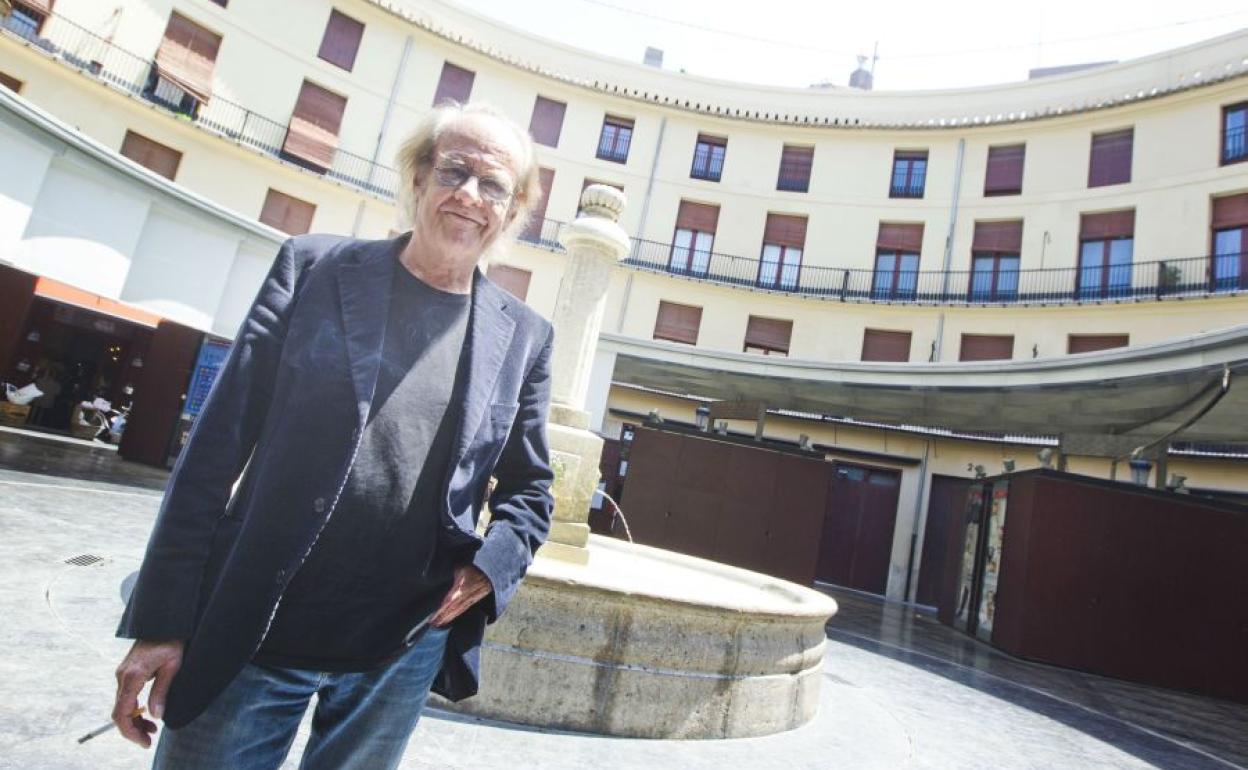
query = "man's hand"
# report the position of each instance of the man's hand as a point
(146, 660)
(469, 587)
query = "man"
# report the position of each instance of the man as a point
(345, 563)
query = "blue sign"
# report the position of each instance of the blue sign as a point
(212, 356)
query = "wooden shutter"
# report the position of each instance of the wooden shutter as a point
(454, 85)
(547, 121)
(313, 132)
(1005, 170)
(770, 333)
(187, 55)
(1107, 224)
(287, 213)
(513, 279)
(533, 230)
(900, 237)
(342, 40)
(678, 323)
(11, 83)
(1230, 211)
(697, 216)
(1086, 343)
(785, 230)
(1111, 158)
(41, 6)
(882, 345)
(151, 154)
(795, 163)
(987, 347)
(998, 236)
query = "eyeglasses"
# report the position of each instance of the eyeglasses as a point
(454, 174)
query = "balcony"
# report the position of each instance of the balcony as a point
(1234, 146)
(99, 58)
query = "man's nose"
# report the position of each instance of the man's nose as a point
(470, 189)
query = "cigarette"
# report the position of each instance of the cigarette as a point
(109, 726)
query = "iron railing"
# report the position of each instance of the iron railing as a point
(1234, 148)
(100, 58)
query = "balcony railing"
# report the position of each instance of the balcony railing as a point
(1234, 148)
(100, 58)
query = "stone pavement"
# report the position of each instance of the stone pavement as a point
(899, 689)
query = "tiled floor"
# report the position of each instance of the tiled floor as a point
(899, 689)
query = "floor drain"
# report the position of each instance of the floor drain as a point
(84, 560)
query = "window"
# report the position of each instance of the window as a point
(795, 163)
(287, 213)
(1229, 270)
(909, 174)
(312, 136)
(1110, 162)
(11, 83)
(586, 184)
(27, 18)
(678, 323)
(617, 135)
(708, 158)
(882, 345)
(986, 347)
(222, 3)
(695, 235)
(897, 261)
(1234, 123)
(537, 221)
(151, 154)
(1086, 343)
(768, 336)
(182, 77)
(994, 261)
(547, 121)
(342, 40)
(454, 85)
(784, 238)
(1105, 246)
(512, 279)
(1004, 175)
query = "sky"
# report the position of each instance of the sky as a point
(923, 44)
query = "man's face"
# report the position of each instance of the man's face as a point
(467, 197)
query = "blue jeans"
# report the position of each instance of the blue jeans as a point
(362, 720)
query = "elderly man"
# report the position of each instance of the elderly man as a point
(373, 390)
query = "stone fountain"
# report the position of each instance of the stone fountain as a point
(620, 639)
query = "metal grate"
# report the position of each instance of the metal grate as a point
(84, 560)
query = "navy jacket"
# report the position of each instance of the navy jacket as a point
(284, 420)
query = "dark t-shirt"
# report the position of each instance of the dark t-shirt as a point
(376, 569)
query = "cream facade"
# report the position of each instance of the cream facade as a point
(1174, 103)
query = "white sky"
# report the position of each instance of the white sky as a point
(923, 44)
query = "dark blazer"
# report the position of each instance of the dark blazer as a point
(286, 415)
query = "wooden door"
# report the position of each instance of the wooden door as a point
(859, 518)
(947, 500)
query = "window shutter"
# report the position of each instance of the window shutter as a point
(771, 333)
(697, 216)
(313, 132)
(150, 154)
(1005, 170)
(882, 345)
(455, 85)
(533, 230)
(987, 347)
(998, 236)
(513, 279)
(186, 56)
(342, 40)
(287, 213)
(42, 6)
(785, 230)
(11, 83)
(1086, 343)
(547, 121)
(1230, 211)
(1108, 224)
(900, 237)
(795, 164)
(1111, 158)
(678, 323)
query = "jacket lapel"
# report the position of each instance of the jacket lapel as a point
(489, 339)
(364, 289)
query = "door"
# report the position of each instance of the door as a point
(857, 541)
(946, 500)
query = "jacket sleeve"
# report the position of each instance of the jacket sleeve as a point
(165, 596)
(522, 503)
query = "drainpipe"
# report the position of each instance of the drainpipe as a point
(920, 523)
(385, 123)
(953, 223)
(641, 221)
